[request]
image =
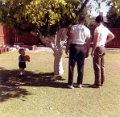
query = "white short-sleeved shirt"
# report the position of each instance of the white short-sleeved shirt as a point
(81, 32)
(102, 34)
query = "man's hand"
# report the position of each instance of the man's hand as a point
(87, 54)
(33, 33)
(92, 53)
(69, 39)
(66, 51)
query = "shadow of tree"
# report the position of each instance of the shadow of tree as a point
(10, 83)
(8, 92)
(43, 79)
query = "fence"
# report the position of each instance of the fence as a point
(10, 36)
(116, 42)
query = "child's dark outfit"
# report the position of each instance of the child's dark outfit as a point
(22, 63)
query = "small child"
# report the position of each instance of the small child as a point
(22, 62)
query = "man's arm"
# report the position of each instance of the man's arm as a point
(96, 36)
(87, 46)
(110, 37)
(69, 39)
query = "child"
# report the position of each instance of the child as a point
(22, 62)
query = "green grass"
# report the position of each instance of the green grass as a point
(43, 96)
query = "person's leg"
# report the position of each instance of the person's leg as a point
(97, 67)
(21, 71)
(71, 72)
(71, 65)
(80, 69)
(102, 53)
(102, 70)
(80, 64)
(22, 66)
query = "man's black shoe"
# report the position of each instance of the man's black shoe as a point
(95, 86)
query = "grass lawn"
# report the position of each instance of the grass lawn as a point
(43, 96)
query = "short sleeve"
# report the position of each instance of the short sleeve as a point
(87, 32)
(109, 31)
(21, 58)
(96, 30)
(72, 29)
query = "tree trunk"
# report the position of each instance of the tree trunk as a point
(58, 65)
(54, 42)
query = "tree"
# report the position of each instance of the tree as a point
(47, 18)
(114, 14)
(44, 14)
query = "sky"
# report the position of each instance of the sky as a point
(104, 9)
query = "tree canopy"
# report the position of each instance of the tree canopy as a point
(114, 14)
(43, 16)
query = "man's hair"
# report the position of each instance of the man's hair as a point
(81, 18)
(99, 19)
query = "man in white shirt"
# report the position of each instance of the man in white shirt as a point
(78, 46)
(102, 36)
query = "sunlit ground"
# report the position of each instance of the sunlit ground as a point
(40, 95)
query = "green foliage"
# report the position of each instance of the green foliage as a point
(114, 14)
(11, 11)
(44, 15)
(49, 14)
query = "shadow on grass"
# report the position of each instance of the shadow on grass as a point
(10, 83)
(7, 89)
(9, 92)
(87, 85)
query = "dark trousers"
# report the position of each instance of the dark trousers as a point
(77, 54)
(98, 65)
